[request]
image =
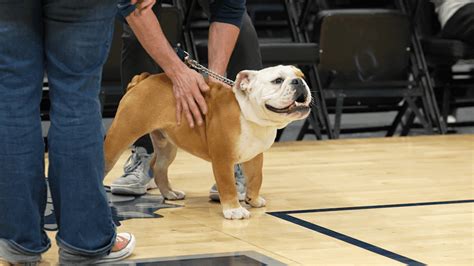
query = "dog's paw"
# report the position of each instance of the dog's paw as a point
(174, 195)
(256, 203)
(236, 214)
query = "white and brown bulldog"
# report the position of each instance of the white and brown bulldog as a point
(240, 125)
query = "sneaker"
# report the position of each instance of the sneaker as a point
(137, 174)
(239, 183)
(451, 119)
(123, 247)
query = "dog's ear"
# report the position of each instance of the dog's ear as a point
(243, 79)
(298, 72)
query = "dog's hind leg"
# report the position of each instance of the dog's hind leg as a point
(143, 109)
(165, 153)
(120, 137)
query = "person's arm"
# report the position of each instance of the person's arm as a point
(187, 83)
(222, 39)
(226, 19)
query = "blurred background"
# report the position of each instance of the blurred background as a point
(376, 68)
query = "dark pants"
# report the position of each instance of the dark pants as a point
(69, 40)
(461, 25)
(135, 60)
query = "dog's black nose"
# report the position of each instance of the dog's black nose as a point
(300, 95)
(301, 98)
(295, 82)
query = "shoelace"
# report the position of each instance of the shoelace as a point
(134, 163)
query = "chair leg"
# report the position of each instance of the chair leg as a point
(313, 120)
(438, 119)
(408, 123)
(425, 122)
(397, 120)
(425, 106)
(279, 133)
(303, 130)
(337, 121)
(320, 99)
(446, 100)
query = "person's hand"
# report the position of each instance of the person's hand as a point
(143, 5)
(188, 86)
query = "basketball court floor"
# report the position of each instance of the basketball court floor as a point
(382, 201)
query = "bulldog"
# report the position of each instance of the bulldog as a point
(240, 125)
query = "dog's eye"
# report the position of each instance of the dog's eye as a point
(278, 81)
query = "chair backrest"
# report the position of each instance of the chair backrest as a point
(365, 45)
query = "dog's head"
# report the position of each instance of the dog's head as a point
(273, 96)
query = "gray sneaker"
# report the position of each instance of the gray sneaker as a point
(137, 174)
(239, 183)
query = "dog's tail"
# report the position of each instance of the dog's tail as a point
(137, 79)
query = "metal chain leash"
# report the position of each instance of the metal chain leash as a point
(202, 69)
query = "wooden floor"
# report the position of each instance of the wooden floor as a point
(329, 174)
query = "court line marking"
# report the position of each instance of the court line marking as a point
(285, 215)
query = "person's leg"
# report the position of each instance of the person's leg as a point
(77, 40)
(461, 25)
(246, 55)
(135, 60)
(22, 181)
(137, 175)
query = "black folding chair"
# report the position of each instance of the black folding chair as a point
(367, 53)
(441, 55)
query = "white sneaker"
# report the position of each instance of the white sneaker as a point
(123, 247)
(451, 119)
(137, 174)
(239, 183)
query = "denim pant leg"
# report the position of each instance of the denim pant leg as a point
(77, 40)
(22, 182)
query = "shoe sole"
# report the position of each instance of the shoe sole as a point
(214, 196)
(128, 190)
(126, 252)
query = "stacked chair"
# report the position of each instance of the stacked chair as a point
(370, 61)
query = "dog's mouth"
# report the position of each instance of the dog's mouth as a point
(292, 108)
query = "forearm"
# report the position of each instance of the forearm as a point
(222, 39)
(148, 31)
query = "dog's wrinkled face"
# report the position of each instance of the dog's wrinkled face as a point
(273, 96)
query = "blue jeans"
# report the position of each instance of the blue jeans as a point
(69, 40)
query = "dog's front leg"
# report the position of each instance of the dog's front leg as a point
(224, 174)
(253, 172)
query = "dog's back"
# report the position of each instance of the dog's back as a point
(150, 105)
